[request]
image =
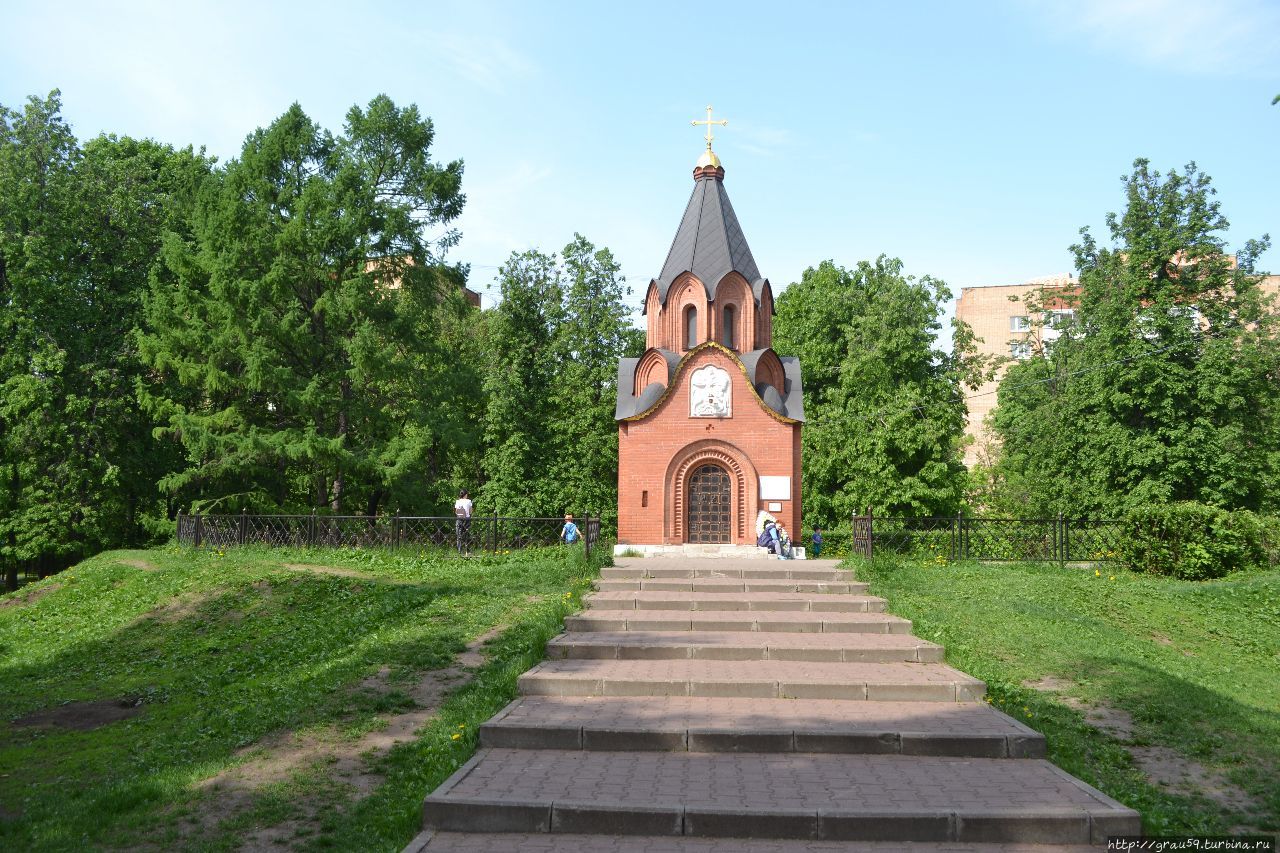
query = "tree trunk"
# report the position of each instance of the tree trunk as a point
(339, 481)
(11, 571)
(374, 500)
(335, 493)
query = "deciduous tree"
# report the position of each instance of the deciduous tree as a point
(885, 407)
(1164, 387)
(79, 229)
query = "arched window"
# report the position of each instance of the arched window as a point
(729, 317)
(690, 327)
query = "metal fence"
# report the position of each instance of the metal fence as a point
(480, 533)
(1058, 540)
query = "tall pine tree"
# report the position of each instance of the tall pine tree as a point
(594, 334)
(520, 376)
(288, 335)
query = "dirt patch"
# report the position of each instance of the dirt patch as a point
(138, 564)
(30, 597)
(1168, 769)
(177, 608)
(345, 760)
(473, 656)
(337, 572)
(1163, 766)
(82, 716)
(1050, 684)
(1161, 639)
(1113, 721)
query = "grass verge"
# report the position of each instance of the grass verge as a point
(204, 655)
(1195, 665)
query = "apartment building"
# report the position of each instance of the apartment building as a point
(1004, 325)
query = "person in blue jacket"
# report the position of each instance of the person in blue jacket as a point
(569, 533)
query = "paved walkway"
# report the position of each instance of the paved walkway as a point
(768, 707)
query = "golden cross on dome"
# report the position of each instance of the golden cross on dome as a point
(708, 122)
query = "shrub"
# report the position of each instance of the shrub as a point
(1262, 537)
(1189, 540)
(1269, 540)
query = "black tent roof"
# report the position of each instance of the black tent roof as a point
(709, 243)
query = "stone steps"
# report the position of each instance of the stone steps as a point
(775, 795)
(691, 724)
(768, 679)
(523, 842)
(646, 571)
(730, 705)
(743, 645)
(731, 620)
(728, 585)
(754, 601)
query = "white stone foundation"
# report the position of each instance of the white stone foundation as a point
(740, 551)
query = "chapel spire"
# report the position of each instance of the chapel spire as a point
(709, 242)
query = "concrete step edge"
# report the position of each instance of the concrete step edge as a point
(430, 841)
(749, 621)
(532, 684)
(1014, 744)
(579, 646)
(1046, 825)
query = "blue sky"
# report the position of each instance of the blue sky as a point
(971, 140)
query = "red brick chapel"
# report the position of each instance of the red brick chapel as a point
(709, 417)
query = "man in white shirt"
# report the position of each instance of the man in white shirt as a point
(462, 525)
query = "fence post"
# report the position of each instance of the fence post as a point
(243, 533)
(199, 530)
(311, 530)
(493, 530)
(871, 534)
(1064, 548)
(954, 525)
(586, 535)
(395, 530)
(179, 529)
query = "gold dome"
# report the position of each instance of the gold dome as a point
(708, 158)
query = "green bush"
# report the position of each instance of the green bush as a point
(1268, 542)
(1262, 537)
(1191, 541)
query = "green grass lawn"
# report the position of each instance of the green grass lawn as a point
(220, 651)
(1196, 665)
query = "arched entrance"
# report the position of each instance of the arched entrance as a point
(710, 505)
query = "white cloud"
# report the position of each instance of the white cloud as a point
(488, 62)
(1197, 36)
(759, 139)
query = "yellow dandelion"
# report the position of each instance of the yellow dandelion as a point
(457, 737)
(1097, 574)
(1113, 577)
(462, 725)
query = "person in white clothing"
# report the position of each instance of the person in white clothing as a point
(462, 525)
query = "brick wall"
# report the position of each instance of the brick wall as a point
(657, 454)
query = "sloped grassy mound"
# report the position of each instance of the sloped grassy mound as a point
(130, 679)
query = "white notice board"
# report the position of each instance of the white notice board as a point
(775, 488)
